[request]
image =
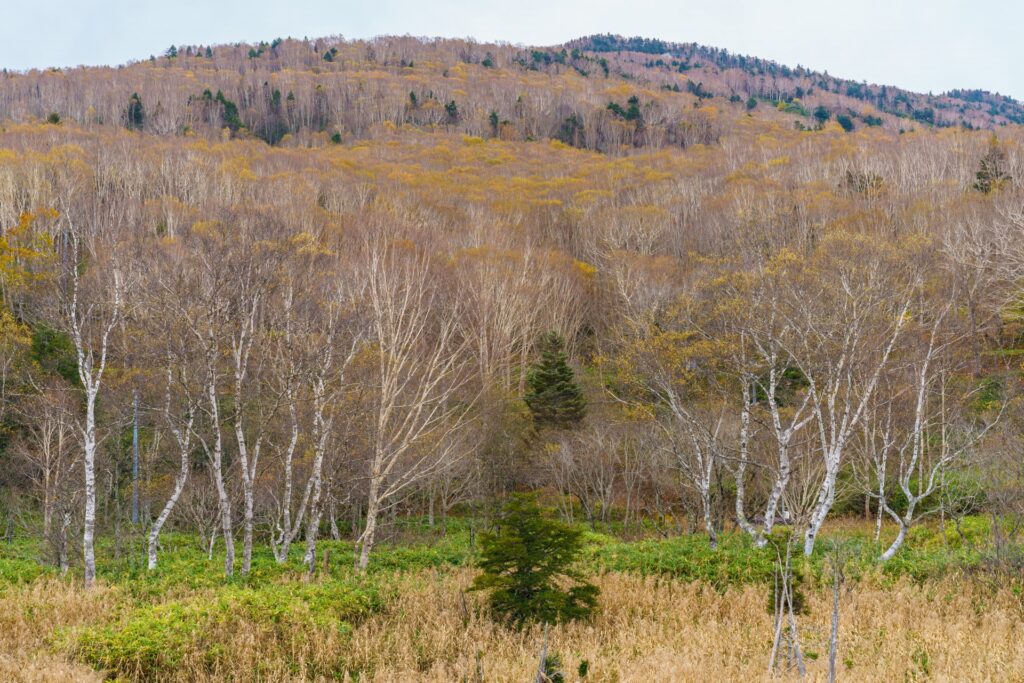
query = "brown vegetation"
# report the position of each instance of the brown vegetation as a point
(648, 629)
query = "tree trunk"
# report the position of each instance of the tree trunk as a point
(313, 523)
(333, 512)
(248, 475)
(89, 522)
(154, 532)
(709, 524)
(287, 533)
(62, 550)
(826, 497)
(135, 458)
(901, 535)
(367, 538)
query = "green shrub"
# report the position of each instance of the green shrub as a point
(157, 639)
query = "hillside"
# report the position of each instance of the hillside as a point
(729, 75)
(603, 92)
(302, 341)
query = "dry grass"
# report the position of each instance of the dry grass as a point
(651, 630)
(31, 615)
(648, 630)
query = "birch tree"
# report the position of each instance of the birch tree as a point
(845, 339)
(91, 310)
(52, 452)
(179, 417)
(932, 441)
(331, 346)
(418, 379)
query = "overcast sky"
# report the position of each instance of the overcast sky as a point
(922, 45)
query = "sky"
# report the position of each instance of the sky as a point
(925, 46)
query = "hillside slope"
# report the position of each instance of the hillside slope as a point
(604, 93)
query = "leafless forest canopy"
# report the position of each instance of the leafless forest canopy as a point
(268, 293)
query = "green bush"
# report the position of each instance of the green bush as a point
(156, 639)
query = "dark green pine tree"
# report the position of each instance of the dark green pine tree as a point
(528, 567)
(552, 394)
(991, 174)
(135, 117)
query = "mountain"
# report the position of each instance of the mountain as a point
(728, 75)
(606, 93)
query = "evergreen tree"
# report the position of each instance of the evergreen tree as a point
(552, 394)
(136, 115)
(230, 110)
(991, 174)
(527, 565)
(452, 110)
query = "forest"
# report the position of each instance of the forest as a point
(294, 334)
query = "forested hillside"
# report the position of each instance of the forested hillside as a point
(604, 93)
(270, 294)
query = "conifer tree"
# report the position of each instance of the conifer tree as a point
(527, 565)
(136, 114)
(991, 174)
(552, 394)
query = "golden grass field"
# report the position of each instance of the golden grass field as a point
(647, 630)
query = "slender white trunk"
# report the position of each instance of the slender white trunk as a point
(709, 523)
(89, 522)
(313, 528)
(838, 411)
(158, 524)
(322, 431)
(826, 497)
(366, 540)
(287, 532)
(248, 465)
(897, 543)
(183, 437)
(241, 346)
(332, 511)
(881, 496)
(90, 372)
(216, 455)
(741, 470)
(783, 438)
(63, 541)
(135, 457)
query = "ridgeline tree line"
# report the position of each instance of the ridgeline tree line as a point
(269, 343)
(601, 93)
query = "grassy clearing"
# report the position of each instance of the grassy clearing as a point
(670, 609)
(653, 629)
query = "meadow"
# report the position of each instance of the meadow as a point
(671, 609)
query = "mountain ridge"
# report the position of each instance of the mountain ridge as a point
(605, 93)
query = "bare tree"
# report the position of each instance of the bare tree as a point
(179, 417)
(418, 379)
(51, 450)
(920, 462)
(844, 342)
(91, 308)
